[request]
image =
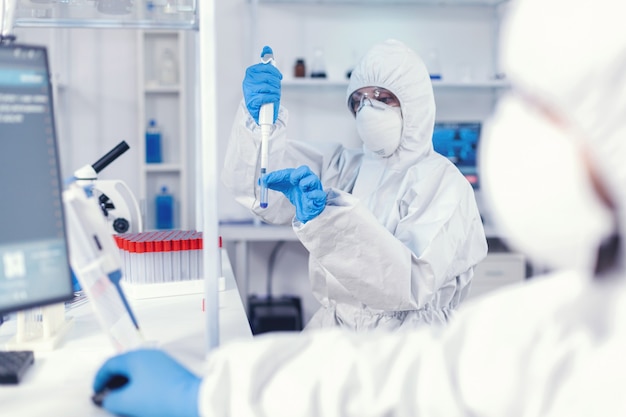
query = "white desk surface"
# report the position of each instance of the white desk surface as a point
(251, 232)
(59, 382)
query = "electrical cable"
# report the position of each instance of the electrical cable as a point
(270, 267)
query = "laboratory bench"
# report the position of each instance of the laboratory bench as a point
(59, 382)
(242, 234)
(500, 267)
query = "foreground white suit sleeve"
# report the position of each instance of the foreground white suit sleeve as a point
(512, 354)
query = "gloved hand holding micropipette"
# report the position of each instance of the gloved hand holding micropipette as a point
(261, 90)
(302, 187)
(261, 85)
(156, 385)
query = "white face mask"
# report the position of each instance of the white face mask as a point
(541, 196)
(380, 127)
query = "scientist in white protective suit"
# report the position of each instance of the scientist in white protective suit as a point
(553, 168)
(392, 229)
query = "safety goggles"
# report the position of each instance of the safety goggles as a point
(372, 95)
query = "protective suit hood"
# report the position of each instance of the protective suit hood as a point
(395, 67)
(577, 71)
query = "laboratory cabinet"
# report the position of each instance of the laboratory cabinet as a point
(163, 125)
(165, 31)
(496, 271)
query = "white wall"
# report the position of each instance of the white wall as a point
(96, 79)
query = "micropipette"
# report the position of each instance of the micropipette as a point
(266, 120)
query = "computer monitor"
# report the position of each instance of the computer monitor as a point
(34, 261)
(458, 141)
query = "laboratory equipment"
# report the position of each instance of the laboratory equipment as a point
(116, 381)
(7, 14)
(114, 7)
(35, 277)
(153, 143)
(266, 120)
(97, 264)
(433, 64)
(36, 227)
(318, 68)
(458, 141)
(161, 263)
(117, 202)
(168, 71)
(271, 312)
(14, 364)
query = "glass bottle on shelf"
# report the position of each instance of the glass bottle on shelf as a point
(168, 73)
(433, 65)
(299, 69)
(318, 68)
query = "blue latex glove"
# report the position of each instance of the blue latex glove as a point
(302, 187)
(157, 385)
(262, 85)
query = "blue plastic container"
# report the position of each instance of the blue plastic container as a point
(153, 143)
(164, 210)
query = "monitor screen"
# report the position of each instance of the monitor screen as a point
(34, 263)
(458, 141)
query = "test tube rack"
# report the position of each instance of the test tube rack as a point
(161, 263)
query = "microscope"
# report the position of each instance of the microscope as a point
(116, 200)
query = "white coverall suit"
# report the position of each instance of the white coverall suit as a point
(396, 245)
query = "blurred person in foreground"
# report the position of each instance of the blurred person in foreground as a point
(553, 168)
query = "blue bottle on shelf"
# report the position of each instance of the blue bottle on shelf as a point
(153, 143)
(164, 210)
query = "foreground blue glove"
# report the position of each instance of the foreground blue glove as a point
(262, 85)
(302, 187)
(157, 385)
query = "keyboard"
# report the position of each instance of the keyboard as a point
(13, 365)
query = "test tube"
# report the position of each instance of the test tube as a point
(129, 245)
(194, 271)
(176, 248)
(266, 120)
(221, 281)
(149, 256)
(185, 246)
(158, 257)
(201, 257)
(167, 257)
(140, 251)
